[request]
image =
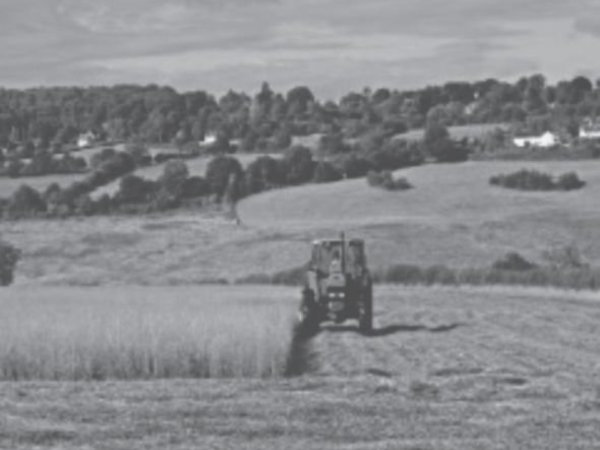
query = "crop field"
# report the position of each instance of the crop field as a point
(141, 333)
(444, 369)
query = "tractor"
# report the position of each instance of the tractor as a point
(338, 285)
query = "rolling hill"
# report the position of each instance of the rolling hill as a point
(451, 216)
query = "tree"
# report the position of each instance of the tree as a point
(354, 166)
(25, 202)
(194, 187)
(298, 165)
(438, 144)
(218, 174)
(9, 257)
(325, 172)
(173, 177)
(298, 99)
(135, 189)
(262, 174)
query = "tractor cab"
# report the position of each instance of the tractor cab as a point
(338, 284)
(338, 256)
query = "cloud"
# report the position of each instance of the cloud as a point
(329, 44)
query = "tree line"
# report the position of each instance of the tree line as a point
(54, 117)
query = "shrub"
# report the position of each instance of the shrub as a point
(569, 181)
(298, 165)
(174, 175)
(354, 166)
(135, 189)
(325, 172)
(194, 187)
(514, 262)
(263, 173)
(9, 257)
(25, 202)
(385, 180)
(219, 172)
(532, 180)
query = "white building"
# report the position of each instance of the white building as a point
(209, 139)
(548, 139)
(589, 131)
(86, 139)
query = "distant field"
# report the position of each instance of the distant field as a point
(9, 185)
(196, 166)
(465, 369)
(143, 333)
(452, 216)
(456, 132)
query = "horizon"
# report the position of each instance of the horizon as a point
(331, 46)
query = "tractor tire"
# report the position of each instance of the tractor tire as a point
(308, 314)
(365, 317)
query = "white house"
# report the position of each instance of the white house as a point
(548, 139)
(589, 130)
(86, 139)
(209, 139)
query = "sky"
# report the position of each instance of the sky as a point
(332, 46)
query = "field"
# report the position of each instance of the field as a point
(445, 369)
(141, 333)
(476, 131)
(196, 166)
(126, 300)
(452, 216)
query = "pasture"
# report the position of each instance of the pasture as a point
(444, 369)
(142, 333)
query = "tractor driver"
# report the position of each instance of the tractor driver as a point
(336, 264)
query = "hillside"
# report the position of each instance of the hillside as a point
(445, 369)
(452, 215)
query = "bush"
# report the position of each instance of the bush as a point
(298, 165)
(514, 262)
(135, 189)
(325, 172)
(25, 202)
(354, 166)
(9, 257)
(385, 180)
(219, 172)
(532, 180)
(569, 181)
(194, 187)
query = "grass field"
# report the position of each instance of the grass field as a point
(444, 369)
(141, 333)
(196, 166)
(452, 216)
(476, 131)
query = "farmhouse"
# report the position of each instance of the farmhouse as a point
(548, 139)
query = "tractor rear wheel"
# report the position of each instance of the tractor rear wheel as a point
(308, 314)
(365, 317)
